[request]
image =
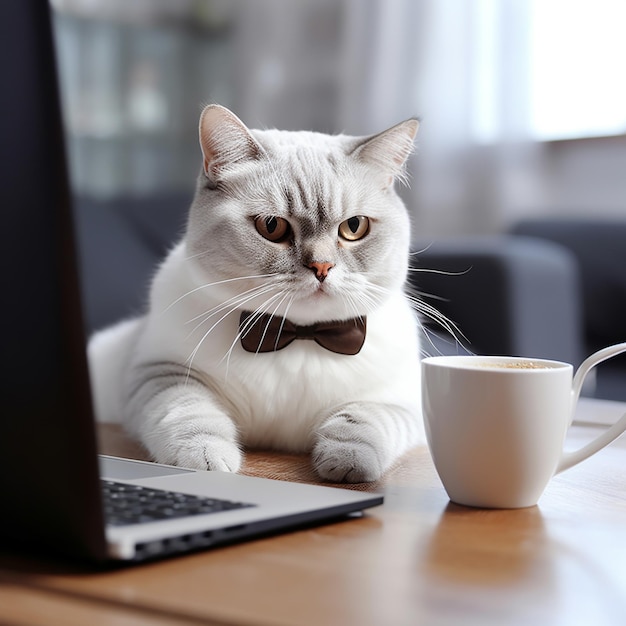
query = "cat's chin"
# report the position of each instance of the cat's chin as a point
(320, 307)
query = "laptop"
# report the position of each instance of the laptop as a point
(52, 481)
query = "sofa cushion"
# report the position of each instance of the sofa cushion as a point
(121, 240)
(600, 249)
(508, 295)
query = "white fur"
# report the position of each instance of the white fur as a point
(181, 381)
(108, 353)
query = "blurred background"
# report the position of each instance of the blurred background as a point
(523, 132)
(522, 102)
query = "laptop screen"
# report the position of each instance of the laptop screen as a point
(48, 463)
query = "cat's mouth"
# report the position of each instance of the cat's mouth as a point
(315, 295)
(321, 290)
(319, 295)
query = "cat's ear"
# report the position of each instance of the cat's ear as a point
(225, 142)
(388, 151)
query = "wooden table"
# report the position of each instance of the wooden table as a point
(418, 559)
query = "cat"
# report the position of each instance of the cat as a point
(304, 228)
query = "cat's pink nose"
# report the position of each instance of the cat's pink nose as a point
(321, 269)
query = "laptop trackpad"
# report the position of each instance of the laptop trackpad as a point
(125, 469)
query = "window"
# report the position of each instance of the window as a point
(578, 59)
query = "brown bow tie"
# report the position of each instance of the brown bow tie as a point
(268, 333)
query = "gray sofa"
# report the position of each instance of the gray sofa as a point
(507, 295)
(531, 293)
(599, 249)
(121, 241)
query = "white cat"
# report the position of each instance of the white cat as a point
(296, 225)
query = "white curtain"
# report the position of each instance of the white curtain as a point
(359, 66)
(476, 164)
(328, 65)
(482, 75)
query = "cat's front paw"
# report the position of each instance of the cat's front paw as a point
(204, 452)
(345, 453)
(210, 452)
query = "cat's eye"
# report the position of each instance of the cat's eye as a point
(354, 228)
(273, 228)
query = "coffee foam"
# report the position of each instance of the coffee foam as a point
(513, 365)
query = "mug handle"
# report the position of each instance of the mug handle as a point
(569, 459)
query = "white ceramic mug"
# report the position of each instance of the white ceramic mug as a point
(496, 425)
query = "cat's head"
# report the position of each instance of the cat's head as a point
(300, 224)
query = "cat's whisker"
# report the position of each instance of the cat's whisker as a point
(354, 300)
(216, 309)
(237, 300)
(416, 293)
(232, 306)
(423, 308)
(428, 333)
(376, 298)
(254, 316)
(436, 316)
(425, 270)
(350, 306)
(235, 307)
(418, 252)
(291, 300)
(213, 284)
(259, 313)
(282, 322)
(378, 294)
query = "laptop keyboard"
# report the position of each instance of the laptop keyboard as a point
(132, 504)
